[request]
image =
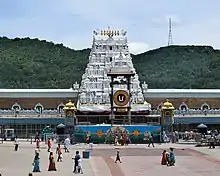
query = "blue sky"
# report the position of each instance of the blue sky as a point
(71, 22)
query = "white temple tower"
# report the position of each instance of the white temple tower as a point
(109, 49)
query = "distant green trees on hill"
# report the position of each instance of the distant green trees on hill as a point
(31, 63)
(180, 67)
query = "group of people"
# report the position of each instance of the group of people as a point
(52, 163)
(122, 140)
(168, 158)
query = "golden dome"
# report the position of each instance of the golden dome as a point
(70, 106)
(168, 105)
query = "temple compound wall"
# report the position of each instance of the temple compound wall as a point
(54, 103)
(191, 103)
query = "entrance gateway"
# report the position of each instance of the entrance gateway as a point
(121, 99)
(110, 90)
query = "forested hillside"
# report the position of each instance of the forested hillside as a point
(180, 67)
(31, 63)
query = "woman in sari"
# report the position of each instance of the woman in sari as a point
(52, 165)
(172, 157)
(164, 158)
(36, 163)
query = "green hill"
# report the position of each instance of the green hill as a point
(31, 63)
(180, 67)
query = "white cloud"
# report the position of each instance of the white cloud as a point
(72, 22)
(138, 47)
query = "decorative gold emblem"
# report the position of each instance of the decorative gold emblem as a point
(99, 133)
(121, 98)
(136, 133)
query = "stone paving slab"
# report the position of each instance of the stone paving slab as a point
(151, 165)
(20, 163)
(136, 160)
(102, 146)
(215, 153)
(100, 167)
(136, 152)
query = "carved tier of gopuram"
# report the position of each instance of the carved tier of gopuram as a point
(109, 50)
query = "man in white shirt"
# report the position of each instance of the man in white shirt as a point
(66, 144)
(16, 141)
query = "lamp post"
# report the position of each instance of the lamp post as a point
(167, 118)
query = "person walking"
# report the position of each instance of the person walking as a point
(76, 161)
(38, 143)
(79, 168)
(66, 145)
(36, 162)
(52, 165)
(16, 143)
(212, 142)
(48, 145)
(59, 153)
(118, 158)
(164, 158)
(151, 140)
(171, 160)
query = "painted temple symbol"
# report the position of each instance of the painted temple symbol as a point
(183, 107)
(39, 108)
(16, 107)
(205, 107)
(121, 98)
(60, 107)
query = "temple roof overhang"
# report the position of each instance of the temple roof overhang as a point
(182, 93)
(38, 93)
(73, 93)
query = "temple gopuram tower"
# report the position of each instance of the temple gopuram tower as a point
(109, 50)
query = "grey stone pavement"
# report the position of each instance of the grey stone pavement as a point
(136, 160)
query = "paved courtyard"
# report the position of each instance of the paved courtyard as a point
(136, 160)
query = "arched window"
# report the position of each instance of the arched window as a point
(16, 107)
(60, 107)
(39, 108)
(205, 107)
(183, 107)
(160, 105)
